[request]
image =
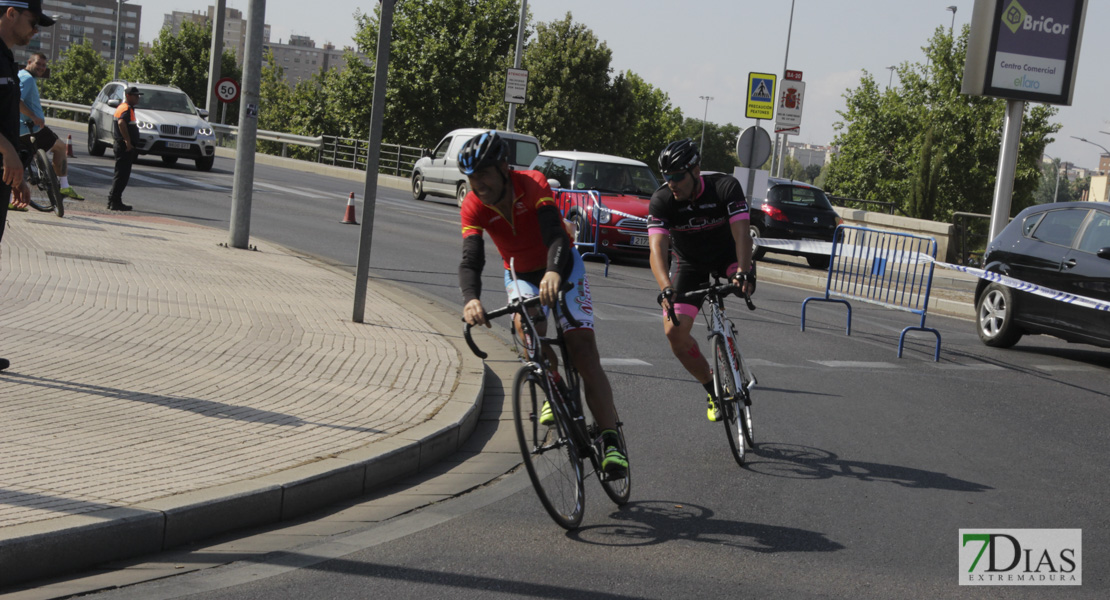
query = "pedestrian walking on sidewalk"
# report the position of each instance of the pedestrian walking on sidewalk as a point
(126, 133)
(19, 20)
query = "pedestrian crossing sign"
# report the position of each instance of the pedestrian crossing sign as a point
(761, 96)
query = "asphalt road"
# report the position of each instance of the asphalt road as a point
(867, 469)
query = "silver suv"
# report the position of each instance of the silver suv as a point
(169, 125)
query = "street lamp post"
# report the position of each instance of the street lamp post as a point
(953, 26)
(118, 54)
(891, 80)
(701, 147)
(780, 146)
(1104, 150)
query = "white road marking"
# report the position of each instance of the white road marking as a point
(852, 364)
(624, 362)
(976, 367)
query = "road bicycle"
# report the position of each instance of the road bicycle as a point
(554, 455)
(39, 172)
(729, 367)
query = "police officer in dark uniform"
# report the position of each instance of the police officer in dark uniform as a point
(125, 130)
(19, 20)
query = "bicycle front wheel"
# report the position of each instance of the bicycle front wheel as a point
(728, 393)
(619, 488)
(48, 182)
(550, 456)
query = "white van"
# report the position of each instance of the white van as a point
(438, 171)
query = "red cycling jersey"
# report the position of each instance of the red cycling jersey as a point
(517, 236)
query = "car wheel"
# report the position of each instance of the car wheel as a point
(169, 160)
(95, 147)
(205, 164)
(418, 192)
(582, 228)
(461, 192)
(995, 312)
(818, 261)
(757, 252)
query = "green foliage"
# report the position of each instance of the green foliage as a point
(182, 61)
(77, 76)
(923, 196)
(719, 150)
(792, 169)
(573, 102)
(812, 172)
(442, 53)
(880, 138)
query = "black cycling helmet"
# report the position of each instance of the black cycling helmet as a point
(482, 150)
(679, 156)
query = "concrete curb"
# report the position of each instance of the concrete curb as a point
(66, 544)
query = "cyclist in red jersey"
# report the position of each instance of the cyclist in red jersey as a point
(518, 211)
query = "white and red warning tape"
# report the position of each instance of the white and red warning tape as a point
(815, 247)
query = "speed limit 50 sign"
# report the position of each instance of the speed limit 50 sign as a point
(227, 90)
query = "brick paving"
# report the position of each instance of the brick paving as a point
(148, 361)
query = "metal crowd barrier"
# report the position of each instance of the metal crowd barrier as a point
(890, 269)
(584, 209)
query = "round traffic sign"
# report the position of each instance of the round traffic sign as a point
(753, 147)
(227, 90)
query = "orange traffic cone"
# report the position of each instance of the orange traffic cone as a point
(349, 214)
(69, 146)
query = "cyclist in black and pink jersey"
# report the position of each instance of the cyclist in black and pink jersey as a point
(704, 220)
(518, 211)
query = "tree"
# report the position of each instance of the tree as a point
(77, 76)
(442, 54)
(182, 61)
(880, 139)
(570, 97)
(923, 195)
(719, 151)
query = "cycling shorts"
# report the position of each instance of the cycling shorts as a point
(688, 276)
(44, 139)
(578, 297)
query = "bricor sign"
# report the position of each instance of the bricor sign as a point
(1024, 49)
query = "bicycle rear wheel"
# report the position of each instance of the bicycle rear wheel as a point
(728, 393)
(618, 489)
(550, 457)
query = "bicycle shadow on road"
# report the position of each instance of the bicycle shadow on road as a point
(652, 522)
(803, 462)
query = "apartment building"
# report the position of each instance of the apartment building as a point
(301, 59)
(92, 20)
(235, 27)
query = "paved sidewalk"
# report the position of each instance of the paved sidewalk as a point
(165, 388)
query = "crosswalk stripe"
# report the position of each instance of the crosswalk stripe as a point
(853, 364)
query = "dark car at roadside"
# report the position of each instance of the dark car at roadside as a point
(794, 210)
(1063, 247)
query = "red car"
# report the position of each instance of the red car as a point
(606, 197)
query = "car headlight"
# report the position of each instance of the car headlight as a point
(145, 125)
(603, 216)
(205, 131)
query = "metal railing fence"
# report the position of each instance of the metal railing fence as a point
(395, 159)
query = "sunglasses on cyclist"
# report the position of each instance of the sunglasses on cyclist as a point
(675, 177)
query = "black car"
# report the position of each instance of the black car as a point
(1063, 247)
(794, 210)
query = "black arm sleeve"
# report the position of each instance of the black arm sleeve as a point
(556, 240)
(470, 269)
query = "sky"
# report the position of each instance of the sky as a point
(696, 48)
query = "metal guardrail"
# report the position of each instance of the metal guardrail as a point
(970, 236)
(583, 208)
(394, 159)
(884, 206)
(893, 270)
